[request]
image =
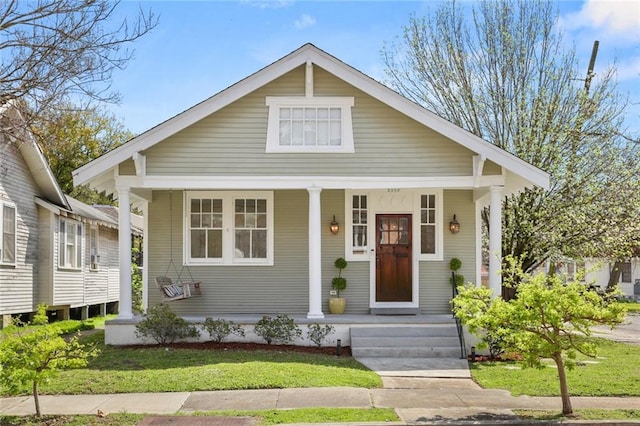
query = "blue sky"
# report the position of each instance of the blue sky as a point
(201, 47)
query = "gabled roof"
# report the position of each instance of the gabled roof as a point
(137, 221)
(310, 53)
(106, 216)
(33, 156)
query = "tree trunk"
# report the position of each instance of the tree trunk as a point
(614, 275)
(35, 398)
(564, 390)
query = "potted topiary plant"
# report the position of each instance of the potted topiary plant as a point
(454, 265)
(337, 304)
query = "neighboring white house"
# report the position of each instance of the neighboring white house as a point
(240, 190)
(600, 271)
(596, 272)
(54, 249)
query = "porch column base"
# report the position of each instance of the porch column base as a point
(312, 315)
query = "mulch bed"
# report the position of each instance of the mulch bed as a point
(249, 346)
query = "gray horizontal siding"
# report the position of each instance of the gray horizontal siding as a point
(232, 141)
(283, 288)
(435, 289)
(235, 289)
(96, 282)
(46, 220)
(17, 187)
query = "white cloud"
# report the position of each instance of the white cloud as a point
(268, 4)
(305, 21)
(629, 70)
(619, 17)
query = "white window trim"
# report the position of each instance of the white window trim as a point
(15, 233)
(97, 250)
(348, 246)
(371, 232)
(273, 129)
(228, 227)
(439, 225)
(78, 244)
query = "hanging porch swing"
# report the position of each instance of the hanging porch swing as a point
(179, 289)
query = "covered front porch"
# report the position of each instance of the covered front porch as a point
(298, 266)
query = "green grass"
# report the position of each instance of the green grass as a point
(584, 414)
(155, 369)
(265, 417)
(616, 373)
(632, 307)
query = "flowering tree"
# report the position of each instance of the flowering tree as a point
(547, 319)
(33, 355)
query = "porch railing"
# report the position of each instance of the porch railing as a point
(454, 293)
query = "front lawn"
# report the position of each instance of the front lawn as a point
(263, 417)
(616, 372)
(158, 369)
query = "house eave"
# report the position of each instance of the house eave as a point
(305, 54)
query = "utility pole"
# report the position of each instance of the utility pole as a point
(592, 63)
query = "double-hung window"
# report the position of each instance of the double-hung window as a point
(309, 124)
(8, 233)
(70, 244)
(94, 254)
(229, 228)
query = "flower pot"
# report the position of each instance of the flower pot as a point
(337, 305)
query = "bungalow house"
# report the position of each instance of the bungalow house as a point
(240, 191)
(54, 249)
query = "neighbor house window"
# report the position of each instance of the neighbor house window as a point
(625, 275)
(94, 254)
(229, 228)
(8, 231)
(70, 247)
(309, 124)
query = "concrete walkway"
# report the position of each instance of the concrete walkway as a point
(416, 398)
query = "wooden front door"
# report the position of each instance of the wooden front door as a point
(393, 258)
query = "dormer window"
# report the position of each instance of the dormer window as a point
(309, 124)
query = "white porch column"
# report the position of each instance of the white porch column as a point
(315, 254)
(124, 251)
(495, 241)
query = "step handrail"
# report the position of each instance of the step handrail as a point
(454, 293)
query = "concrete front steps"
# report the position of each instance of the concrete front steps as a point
(419, 351)
(439, 340)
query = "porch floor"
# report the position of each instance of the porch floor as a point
(351, 319)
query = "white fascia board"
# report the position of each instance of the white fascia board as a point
(49, 206)
(303, 182)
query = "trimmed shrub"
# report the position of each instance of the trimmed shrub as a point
(280, 329)
(317, 334)
(219, 329)
(161, 324)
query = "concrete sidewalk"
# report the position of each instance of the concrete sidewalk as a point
(416, 400)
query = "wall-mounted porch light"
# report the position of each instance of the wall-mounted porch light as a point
(334, 226)
(454, 225)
